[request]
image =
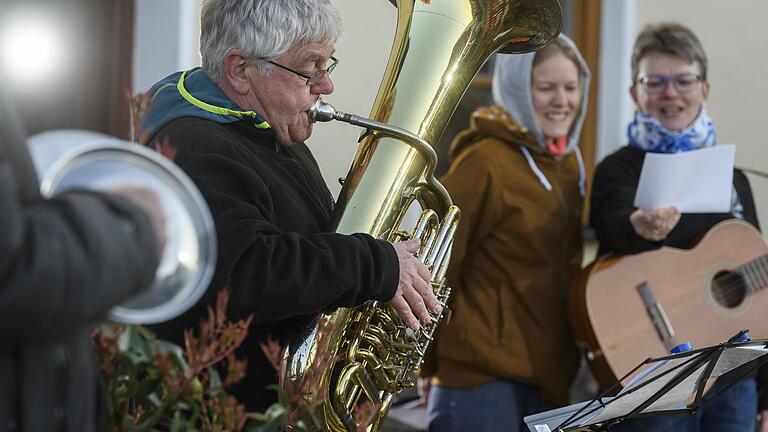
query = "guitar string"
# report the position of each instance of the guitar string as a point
(733, 283)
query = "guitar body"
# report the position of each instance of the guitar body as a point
(612, 323)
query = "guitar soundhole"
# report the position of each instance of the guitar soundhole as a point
(729, 289)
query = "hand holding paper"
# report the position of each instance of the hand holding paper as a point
(698, 181)
(654, 225)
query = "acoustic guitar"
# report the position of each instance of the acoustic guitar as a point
(626, 309)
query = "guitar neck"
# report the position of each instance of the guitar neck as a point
(754, 273)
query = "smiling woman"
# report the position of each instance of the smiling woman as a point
(518, 177)
(556, 94)
(669, 89)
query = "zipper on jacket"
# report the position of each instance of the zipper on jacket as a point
(15, 422)
(291, 157)
(565, 224)
(59, 411)
(500, 333)
(326, 212)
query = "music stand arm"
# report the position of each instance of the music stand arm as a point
(708, 355)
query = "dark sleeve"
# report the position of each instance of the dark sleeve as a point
(762, 388)
(744, 190)
(741, 182)
(612, 202)
(67, 261)
(273, 272)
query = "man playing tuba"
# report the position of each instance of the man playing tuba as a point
(237, 127)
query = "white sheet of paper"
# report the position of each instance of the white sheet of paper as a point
(697, 181)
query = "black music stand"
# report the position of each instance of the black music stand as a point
(674, 384)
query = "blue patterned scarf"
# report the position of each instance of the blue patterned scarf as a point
(646, 133)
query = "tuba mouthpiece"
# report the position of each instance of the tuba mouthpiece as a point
(323, 112)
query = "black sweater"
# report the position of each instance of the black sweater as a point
(271, 209)
(613, 194)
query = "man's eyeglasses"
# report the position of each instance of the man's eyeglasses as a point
(683, 83)
(312, 77)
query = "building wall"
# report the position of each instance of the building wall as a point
(733, 36)
(614, 105)
(369, 27)
(166, 39)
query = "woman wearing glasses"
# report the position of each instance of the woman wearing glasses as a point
(669, 69)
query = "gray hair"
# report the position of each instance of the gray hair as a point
(669, 38)
(263, 29)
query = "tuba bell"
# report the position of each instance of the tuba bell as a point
(438, 48)
(77, 159)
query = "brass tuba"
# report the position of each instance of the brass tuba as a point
(439, 46)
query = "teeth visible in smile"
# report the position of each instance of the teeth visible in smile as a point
(555, 116)
(671, 110)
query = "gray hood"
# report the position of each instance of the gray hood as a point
(512, 90)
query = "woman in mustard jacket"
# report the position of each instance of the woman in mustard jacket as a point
(518, 177)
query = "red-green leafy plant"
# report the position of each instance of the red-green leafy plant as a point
(155, 385)
(292, 408)
(138, 106)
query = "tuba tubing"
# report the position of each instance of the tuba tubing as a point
(324, 112)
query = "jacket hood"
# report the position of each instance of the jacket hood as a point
(192, 94)
(511, 88)
(491, 121)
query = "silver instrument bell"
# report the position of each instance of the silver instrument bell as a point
(73, 159)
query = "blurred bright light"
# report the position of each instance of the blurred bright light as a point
(31, 49)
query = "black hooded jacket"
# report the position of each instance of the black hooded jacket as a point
(271, 208)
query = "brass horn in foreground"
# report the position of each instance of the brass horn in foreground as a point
(76, 159)
(439, 46)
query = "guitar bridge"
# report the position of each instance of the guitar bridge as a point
(658, 316)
